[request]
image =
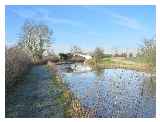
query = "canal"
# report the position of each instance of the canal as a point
(111, 92)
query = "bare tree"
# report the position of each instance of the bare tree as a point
(76, 49)
(147, 52)
(35, 38)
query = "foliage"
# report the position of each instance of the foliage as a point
(17, 62)
(98, 54)
(64, 56)
(77, 59)
(147, 52)
(35, 38)
(130, 55)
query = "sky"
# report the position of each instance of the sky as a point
(108, 27)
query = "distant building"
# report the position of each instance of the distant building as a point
(120, 51)
(86, 56)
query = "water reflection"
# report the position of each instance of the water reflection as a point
(99, 72)
(113, 92)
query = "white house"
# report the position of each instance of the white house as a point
(86, 56)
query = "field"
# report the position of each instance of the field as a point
(121, 62)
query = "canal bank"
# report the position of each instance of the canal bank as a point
(71, 104)
(54, 91)
(36, 96)
(42, 93)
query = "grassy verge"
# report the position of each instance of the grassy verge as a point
(71, 105)
(118, 62)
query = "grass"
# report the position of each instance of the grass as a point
(71, 105)
(121, 62)
(107, 60)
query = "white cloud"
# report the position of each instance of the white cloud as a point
(131, 23)
(123, 20)
(44, 15)
(24, 13)
(63, 21)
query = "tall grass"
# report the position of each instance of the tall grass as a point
(17, 63)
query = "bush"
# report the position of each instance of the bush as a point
(147, 52)
(17, 63)
(65, 57)
(77, 59)
(98, 54)
(45, 60)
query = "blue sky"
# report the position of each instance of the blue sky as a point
(86, 26)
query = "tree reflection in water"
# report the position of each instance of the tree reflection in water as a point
(99, 72)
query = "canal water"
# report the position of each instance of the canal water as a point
(112, 92)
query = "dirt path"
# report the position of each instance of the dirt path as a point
(34, 97)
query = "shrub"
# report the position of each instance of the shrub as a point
(45, 60)
(16, 64)
(65, 57)
(147, 53)
(98, 54)
(77, 59)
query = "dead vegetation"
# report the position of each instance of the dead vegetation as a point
(17, 64)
